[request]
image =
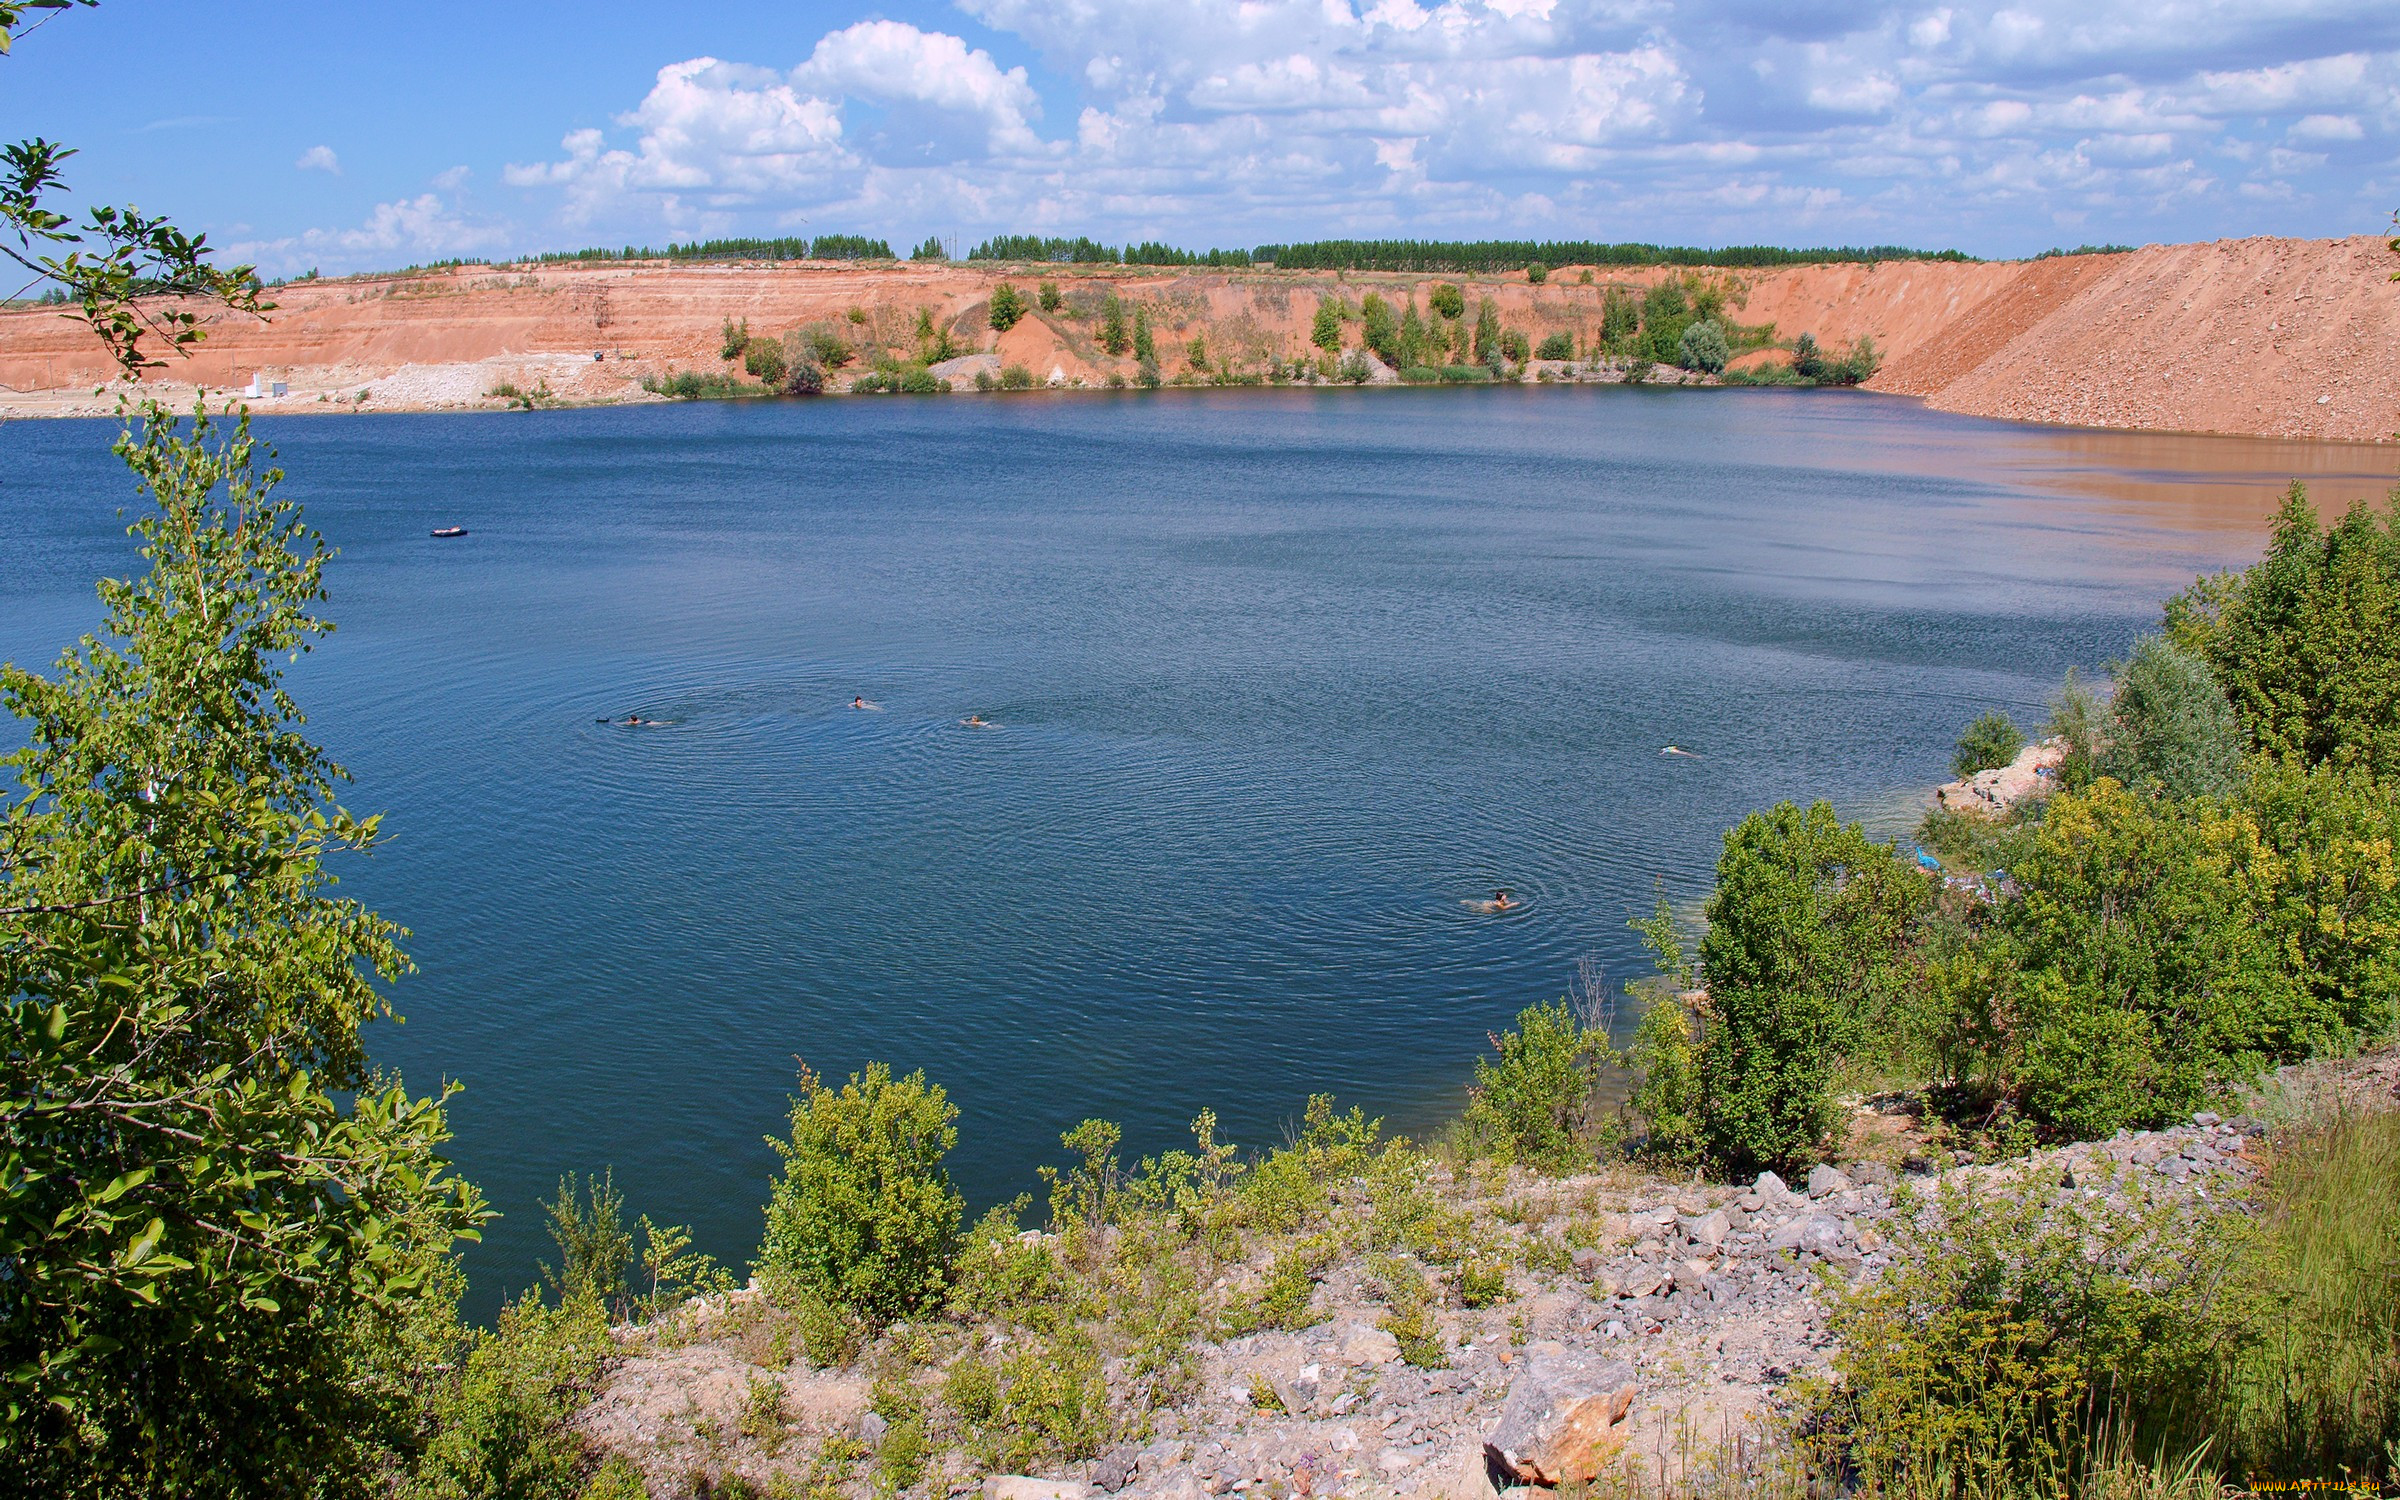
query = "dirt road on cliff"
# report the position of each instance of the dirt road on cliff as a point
(2267, 337)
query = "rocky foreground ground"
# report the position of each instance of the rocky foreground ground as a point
(1676, 1341)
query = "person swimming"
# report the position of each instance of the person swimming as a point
(858, 703)
(635, 721)
(976, 721)
(1501, 901)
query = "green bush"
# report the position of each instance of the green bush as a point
(1807, 949)
(1446, 375)
(1515, 347)
(501, 1418)
(1379, 329)
(1482, 1283)
(1702, 347)
(2333, 903)
(1856, 366)
(1558, 346)
(1447, 300)
(2078, 717)
(1288, 1185)
(864, 1218)
(1992, 741)
(763, 358)
(1808, 360)
(825, 342)
(617, 1479)
(1620, 320)
(1534, 1104)
(1145, 346)
(1536, 273)
(1283, 1300)
(1005, 309)
(1666, 1058)
(1046, 1404)
(1114, 336)
(1016, 378)
(2022, 1333)
(2173, 730)
(805, 378)
(734, 341)
(1326, 330)
(694, 385)
(1049, 296)
(2132, 970)
(2307, 643)
(595, 1250)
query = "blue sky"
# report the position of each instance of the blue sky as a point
(351, 137)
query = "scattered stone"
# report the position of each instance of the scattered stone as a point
(1708, 1229)
(1562, 1421)
(1115, 1469)
(1362, 1344)
(871, 1428)
(1024, 1487)
(1586, 1261)
(1770, 1187)
(1823, 1179)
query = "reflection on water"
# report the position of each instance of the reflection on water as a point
(1279, 685)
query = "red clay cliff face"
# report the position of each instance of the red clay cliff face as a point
(2291, 338)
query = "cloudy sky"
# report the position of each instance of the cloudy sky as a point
(348, 136)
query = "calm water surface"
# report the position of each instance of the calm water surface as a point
(1276, 684)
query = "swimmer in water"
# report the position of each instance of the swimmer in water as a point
(976, 721)
(858, 703)
(636, 721)
(1501, 901)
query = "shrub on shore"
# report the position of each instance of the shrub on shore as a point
(1005, 309)
(1558, 346)
(1534, 1102)
(1702, 347)
(763, 359)
(864, 1220)
(1990, 742)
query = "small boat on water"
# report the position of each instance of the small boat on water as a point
(449, 531)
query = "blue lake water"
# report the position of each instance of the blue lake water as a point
(1276, 683)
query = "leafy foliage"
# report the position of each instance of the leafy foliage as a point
(2173, 729)
(1534, 1103)
(500, 1417)
(1006, 308)
(864, 1219)
(1447, 301)
(1703, 347)
(1807, 943)
(211, 1204)
(2129, 974)
(763, 359)
(2307, 647)
(1325, 330)
(2018, 1331)
(1991, 741)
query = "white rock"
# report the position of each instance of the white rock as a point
(1022, 1487)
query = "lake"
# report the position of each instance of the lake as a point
(1275, 684)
